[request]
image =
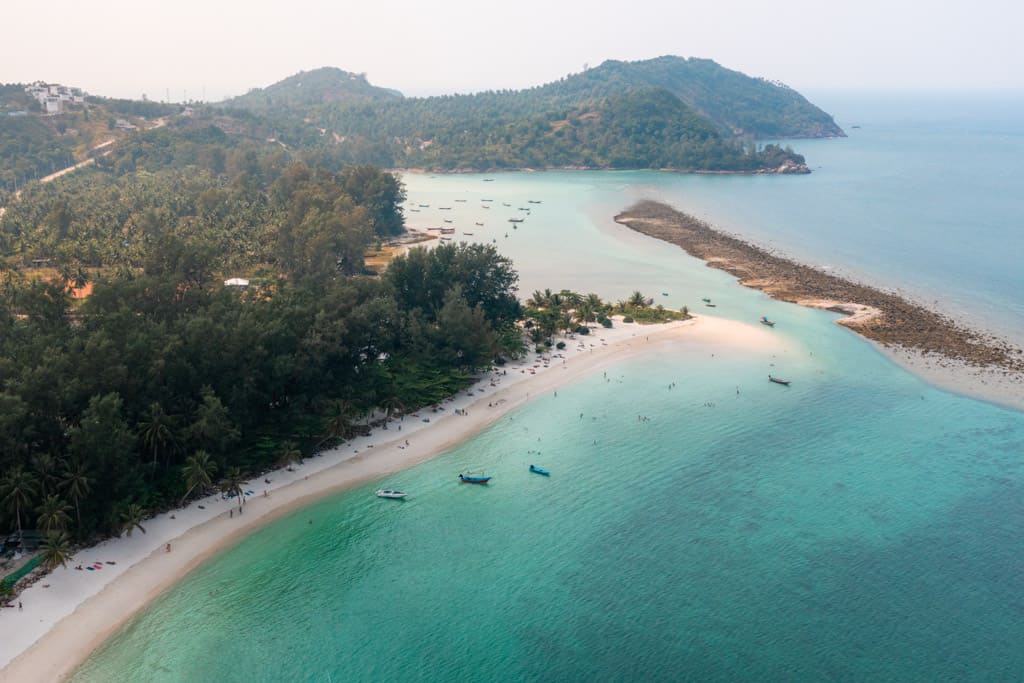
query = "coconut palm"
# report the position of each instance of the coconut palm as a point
(44, 466)
(77, 484)
(391, 405)
(53, 514)
(156, 432)
(540, 299)
(198, 472)
(570, 298)
(17, 489)
(56, 549)
(639, 300)
(132, 518)
(289, 454)
(339, 422)
(232, 483)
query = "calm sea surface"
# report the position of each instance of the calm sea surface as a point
(859, 525)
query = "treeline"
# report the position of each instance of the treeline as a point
(164, 381)
(644, 128)
(251, 207)
(30, 149)
(144, 108)
(548, 313)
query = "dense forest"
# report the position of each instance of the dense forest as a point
(665, 113)
(683, 114)
(164, 380)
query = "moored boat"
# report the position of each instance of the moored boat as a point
(706, 300)
(710, 305)
(391, 493)
(540, 470)
(766, 321)
(473, 479)
(778, 380)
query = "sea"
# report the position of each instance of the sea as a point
(699, 523)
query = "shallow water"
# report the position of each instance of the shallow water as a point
(858, 525)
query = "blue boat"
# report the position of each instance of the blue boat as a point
(540, 470)
(473, 480)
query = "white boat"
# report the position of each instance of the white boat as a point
(388, 493)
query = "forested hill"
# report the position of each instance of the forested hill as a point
(734, 102)
(669, 112)
(305, 89)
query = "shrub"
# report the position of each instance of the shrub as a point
(583, 329)
(627, 319)
(560, 345)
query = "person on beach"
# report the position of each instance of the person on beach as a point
(167, 548)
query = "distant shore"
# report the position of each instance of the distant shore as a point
(788, 168)
(71, 613)
(929, 344)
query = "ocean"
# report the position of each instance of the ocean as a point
(858, 525)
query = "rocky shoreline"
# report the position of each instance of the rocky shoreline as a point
(883, 317)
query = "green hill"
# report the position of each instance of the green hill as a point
(575, 122)
(305, 89)
(736, 103)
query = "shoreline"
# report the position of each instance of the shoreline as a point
(934, 347)
(784, 169)
(75, 612)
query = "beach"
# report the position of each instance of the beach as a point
(70, 612)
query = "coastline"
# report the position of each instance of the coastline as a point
(75, 612)
(934, 347)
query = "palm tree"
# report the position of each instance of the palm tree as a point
(77, 484)
(198, 472)
(391, 405)
(56, 549)
(232, 483)
(572, 299)
(584, 313)
(339, 424)
(53, 514)
(131, 518)
(639, 300)
(16, 491)
(156, 431)
(289, 453)
(45, 467)
(598, 307)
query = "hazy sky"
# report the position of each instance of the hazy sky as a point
(224, 47)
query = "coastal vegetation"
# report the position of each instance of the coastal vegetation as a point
(549, 313)
(165, 382)
(673, 113)
(688, 115)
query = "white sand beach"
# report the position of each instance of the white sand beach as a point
(70, 612)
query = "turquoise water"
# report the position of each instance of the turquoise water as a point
(859, 525)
